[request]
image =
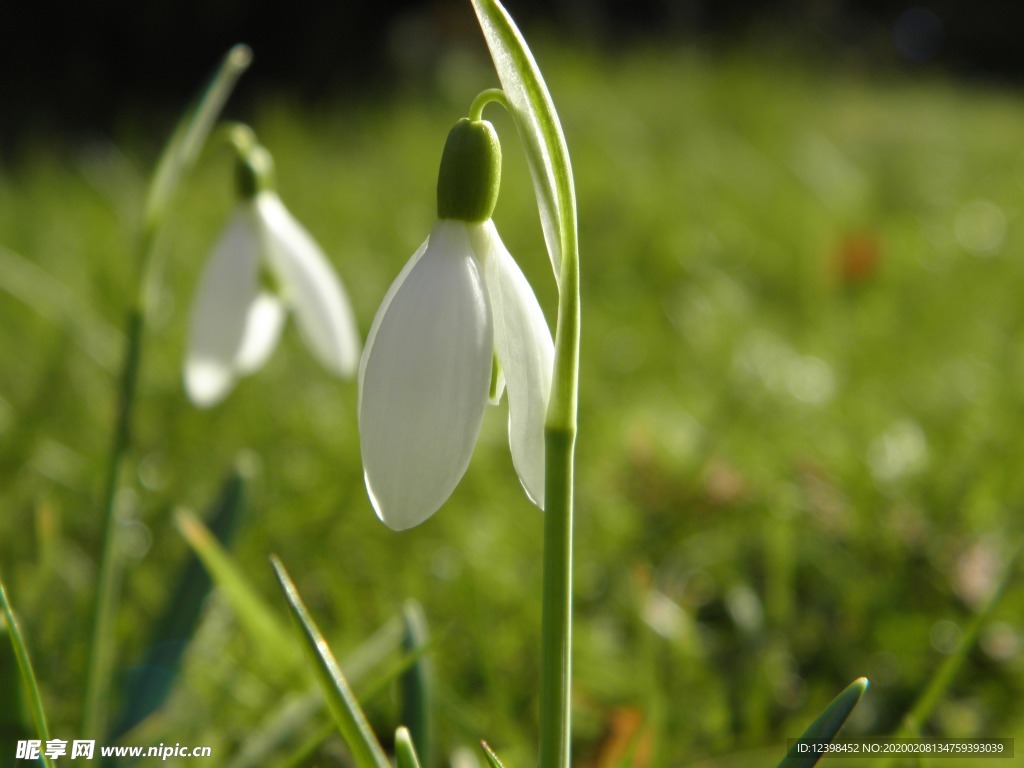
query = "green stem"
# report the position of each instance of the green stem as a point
(491, 95)
(101, 651)
(556, 613)
(177, 159)
(527, 98)
(559, 458)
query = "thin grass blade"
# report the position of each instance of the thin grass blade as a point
(13, 711)
(293, 715)
(918, 715)
(405, 751)
(827, 725)
(491, 755)
(28, 676)
(352, 723)
(305, 754)
(189, 135)
(271, 638)
(943, 678)
(415, 681)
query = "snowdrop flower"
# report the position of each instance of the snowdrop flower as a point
(264, 265)
(428, 370)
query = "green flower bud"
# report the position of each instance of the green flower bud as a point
(470, 174)
(254, 172)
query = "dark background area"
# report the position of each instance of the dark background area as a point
(72, 68)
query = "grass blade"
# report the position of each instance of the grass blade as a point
(492, 757)
(292, 716)
(186, 142)
(930, 697)
(405, 751)
(939, 684)
(415, 682)
(348, 715)
(304, 755)
(271, 638)
(151, 679)
(28, 676)
(827, 724)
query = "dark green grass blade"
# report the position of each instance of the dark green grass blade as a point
(149, 682)
(827, 724)
(415, 682)
(352, 723)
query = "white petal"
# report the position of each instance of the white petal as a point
(262, 330)
(385, 303)
(312, 288)
(424, 380)
(227, 288)
(526, 352)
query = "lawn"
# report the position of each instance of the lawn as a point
(802, 393)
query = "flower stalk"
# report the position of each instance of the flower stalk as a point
(539, 129)
(560, 456)
(178, 158)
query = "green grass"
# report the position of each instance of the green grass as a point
(786, 478)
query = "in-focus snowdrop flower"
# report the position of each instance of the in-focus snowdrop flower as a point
(264, 265)
(428, 370)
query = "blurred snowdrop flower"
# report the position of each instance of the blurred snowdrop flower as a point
(428, 370)
(264, 265)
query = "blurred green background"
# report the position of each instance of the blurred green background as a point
(800, 417)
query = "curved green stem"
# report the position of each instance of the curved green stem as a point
(491, 95)
(239, 136)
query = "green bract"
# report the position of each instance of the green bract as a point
(470, 174)
(254, 172)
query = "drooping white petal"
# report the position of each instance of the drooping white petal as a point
(312, 288)
(227, 288)
(526, 353)
(263, 325)
(424, 380)
(382, 310)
